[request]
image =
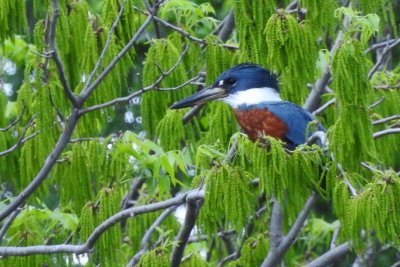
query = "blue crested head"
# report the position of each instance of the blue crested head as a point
(243, 84)
(247, 76)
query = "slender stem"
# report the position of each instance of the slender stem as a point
(89, 89)
(107, 44)
(56, 57)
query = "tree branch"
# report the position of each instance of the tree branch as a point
(385, 52)
(8, 223)
(187, 35)
(384, 120)
(386, 132)
(380, 45)
(89, 89)
(324, 106)
(99, 230)
(187, 226)
(314, 97)
(330, 256)
(145, 244)
(22, 138)
(107, 44)
(56, 57)
(15, 121)
(139, 92)
(48, 165)
(276, 254)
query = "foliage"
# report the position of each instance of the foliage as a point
(86, 181)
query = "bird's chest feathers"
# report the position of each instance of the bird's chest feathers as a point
(259, 122)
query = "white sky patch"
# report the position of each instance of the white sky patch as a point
(10, 67)
(180, 213)
(135, 101)
(81, 259)
(8, 89)
(129, 118)
(252, 96)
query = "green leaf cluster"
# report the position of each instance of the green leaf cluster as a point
(351, 138)
(294, 63)
(13, 19)
(230, 199)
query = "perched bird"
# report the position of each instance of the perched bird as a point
(253, 93)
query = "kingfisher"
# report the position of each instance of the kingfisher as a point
(253, 93)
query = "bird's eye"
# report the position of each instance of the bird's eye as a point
(227, 83)
(230, 81)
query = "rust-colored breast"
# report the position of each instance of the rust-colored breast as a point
(259, 122)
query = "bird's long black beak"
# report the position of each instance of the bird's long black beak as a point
(200, 97)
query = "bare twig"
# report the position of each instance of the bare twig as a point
(179, 86)
(228, 258)
(314, 97)
(15, 121)
(386, 132)
(187, 35)
(18, 144)
(145, 244)
(276, 226)
(106, 45)
(324, 106)
(191, 113)
(8, 223)
(335, 236)
(385, 52)
(22, 138)
(384, 120)
(133, 192)
(124, 99)
(380, 45)
(379, 101)
(89, 89)
(227, 27)
(56, 57)
(387, 86)
(291, 6)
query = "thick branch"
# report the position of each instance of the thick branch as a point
(98, 231)
(276, 255)
(330, 256)
(187, 226)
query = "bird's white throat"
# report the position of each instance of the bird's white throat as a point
(252, 96)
